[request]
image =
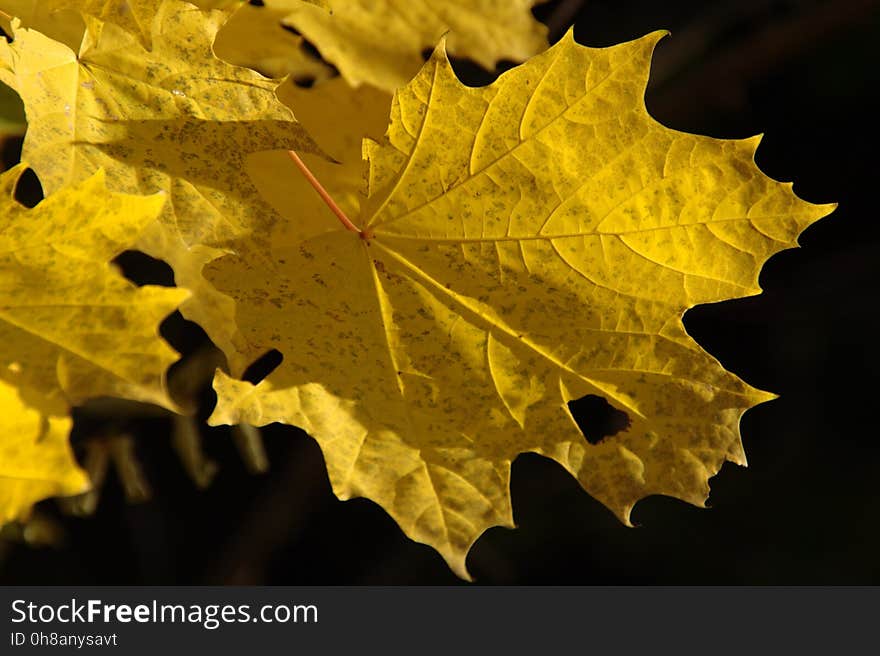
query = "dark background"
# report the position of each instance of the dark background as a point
(806, 509)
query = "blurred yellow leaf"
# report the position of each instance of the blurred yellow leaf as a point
(57, 19)
(380, 42)
(522, 245)
(255, 37)
(36, 461)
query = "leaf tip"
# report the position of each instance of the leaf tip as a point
(760, 396)
(624, 513)
(457, 563)
(440, 52)
(653, 38)
(753, 142)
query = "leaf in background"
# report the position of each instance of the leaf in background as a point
(36, 461)
(72, 327)
(175, 118)
(57, 19)
(254, 37)
(380, 42)
(525, 244)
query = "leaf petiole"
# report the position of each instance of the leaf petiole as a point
(301, 165)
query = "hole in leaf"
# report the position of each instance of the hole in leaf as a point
(28, 190)
(597, 418)
(142, 269)
(263, 366)
(304, 81)
(426, 53)
(257, 3)
(310, 50)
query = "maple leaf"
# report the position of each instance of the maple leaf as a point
(36, 461)
(73, 327)
(523, 245)
(173, 118)
(380, 42)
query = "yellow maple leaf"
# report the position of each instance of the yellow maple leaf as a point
(523, 245)
(72, 326)
(380, 42)
(36, 461)
(173, 118)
